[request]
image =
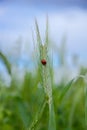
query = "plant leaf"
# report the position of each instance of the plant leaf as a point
(66, 88)
(52, 122)
(22, 113)
(6, 62)
(38, 38)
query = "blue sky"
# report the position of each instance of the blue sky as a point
(65, 16)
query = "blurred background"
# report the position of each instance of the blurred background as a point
(67, 18)
(68, 44)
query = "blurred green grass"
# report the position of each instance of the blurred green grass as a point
(21, 103)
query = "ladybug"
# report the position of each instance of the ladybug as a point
(44, 62)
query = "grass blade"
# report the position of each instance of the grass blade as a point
(46, 37)
(6, 62)
(74, 104)
(46, 75)
(39, 42)
(38, 116)
(52, 123)
(85, 107)
(66, 89)
(23, 114)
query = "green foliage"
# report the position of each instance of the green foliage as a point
(46, 76)
(20, 106)
(6, 62)
(39, 104)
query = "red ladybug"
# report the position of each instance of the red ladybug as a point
(43, 61)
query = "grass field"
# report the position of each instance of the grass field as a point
(40, 104)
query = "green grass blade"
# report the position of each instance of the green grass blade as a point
(46, 75)
(52, 122)
(38, 116)
(66, 89)
(74, 104)
(39, 42)
(6, 62)
(23, 114)
(46, 37)
(85, 107)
